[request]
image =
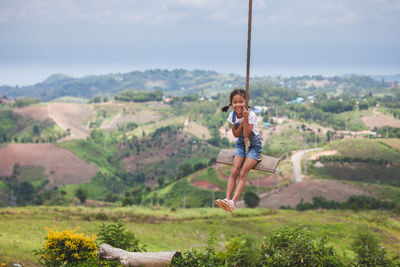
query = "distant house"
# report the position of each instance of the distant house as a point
(167, 99)
(262, 108)
(267, 124)
(257, 111)
(298, 100)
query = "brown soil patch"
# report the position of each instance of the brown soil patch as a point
(206, 185)
(61, 166)
(65, 115)
(73, 117)
(380, 120)
(140, 117)
(196, 129)
(307, 189)
(37, 112)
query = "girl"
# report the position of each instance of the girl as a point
(244, 124)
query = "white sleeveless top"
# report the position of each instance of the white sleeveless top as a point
(252, 120)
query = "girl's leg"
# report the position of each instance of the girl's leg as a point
(237, 163)
(248, 164)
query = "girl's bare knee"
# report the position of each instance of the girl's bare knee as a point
(243, 174)
(235, 171)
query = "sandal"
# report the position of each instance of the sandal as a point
(225, 204)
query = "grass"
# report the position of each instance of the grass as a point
(392, 142)
(182, 229)
(290, 139)
(353, 118)
(151, 127)
(70, 99)
(365, 148)
(384, 192)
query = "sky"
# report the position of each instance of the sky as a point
(289, 37)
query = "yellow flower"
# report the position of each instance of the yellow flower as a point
(3, 264)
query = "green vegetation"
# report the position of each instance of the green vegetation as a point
(132, 96)
(21, 129)
(356, 203)
(24, 102)
(185, 229)
(363, 160)
(70, 100)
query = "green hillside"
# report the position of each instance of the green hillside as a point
(363, 160)
(24, 129)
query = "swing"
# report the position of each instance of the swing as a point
(225, 156)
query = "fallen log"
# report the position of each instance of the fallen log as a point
(147, 259)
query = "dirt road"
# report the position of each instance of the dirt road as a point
(296, 160)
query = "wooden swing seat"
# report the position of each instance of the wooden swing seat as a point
(266, 163)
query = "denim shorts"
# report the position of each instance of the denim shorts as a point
(254, 149)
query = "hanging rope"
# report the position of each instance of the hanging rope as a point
(248, 52)
(247, 142)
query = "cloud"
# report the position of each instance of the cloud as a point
(231, 12)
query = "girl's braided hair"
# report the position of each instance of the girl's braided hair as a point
(237, 91)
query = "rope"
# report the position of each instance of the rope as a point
(247, 142)
(248, 52)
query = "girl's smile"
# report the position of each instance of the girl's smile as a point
(238, 103)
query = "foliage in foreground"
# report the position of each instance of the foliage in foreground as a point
(289, 247)
(285, 247)
(69, 248)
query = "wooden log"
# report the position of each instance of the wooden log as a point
(266, 163)
(147, 259)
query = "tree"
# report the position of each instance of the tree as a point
(36, 129)
(251, 199)
(161, 180)
(81, 194)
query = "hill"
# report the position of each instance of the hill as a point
(172, 82)
(363, 160)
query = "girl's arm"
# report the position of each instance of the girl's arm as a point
(247, 128)
(244, 125)
(237, 131)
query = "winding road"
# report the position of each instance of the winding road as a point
(296, 160)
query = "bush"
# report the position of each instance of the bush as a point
(295, 247)
(197, 258)
(67, 247)
(366, 246)
(242, 252)
(251, 199)
(116, 236)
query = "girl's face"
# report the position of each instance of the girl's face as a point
(238, 103)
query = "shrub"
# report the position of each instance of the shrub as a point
(366, 246)
(67, 247)
(242, 252)
(117, 236)
(295, 247)
(197, 258)
(251, 199)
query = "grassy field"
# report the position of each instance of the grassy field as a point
(183, 229)
(353, 119)
(150, 128)
(70, 99)
(365, 148)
